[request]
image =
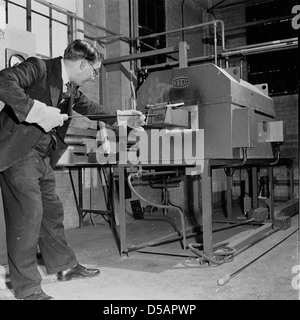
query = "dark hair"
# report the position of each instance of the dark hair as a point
(80, 49)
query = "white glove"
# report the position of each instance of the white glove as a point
(45, 116)
(131, 118)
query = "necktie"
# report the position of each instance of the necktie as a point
(69, 94)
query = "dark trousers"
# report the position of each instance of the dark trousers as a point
(33, 217)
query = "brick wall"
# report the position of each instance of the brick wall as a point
(189, 15)
(286, 107)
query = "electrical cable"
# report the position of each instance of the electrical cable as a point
(136, 175)
(226, 255)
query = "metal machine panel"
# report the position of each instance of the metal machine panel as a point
(229, 108)
(270, 131)
(242, 128)
(216, 122)
(202, 84)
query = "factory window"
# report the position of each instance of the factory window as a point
(17, 13)
(152, 19)
(50, 26)
(278, 68)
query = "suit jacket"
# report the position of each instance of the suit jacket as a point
(34, 79)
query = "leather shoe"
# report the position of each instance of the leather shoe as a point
(78, 271)
(39, 295)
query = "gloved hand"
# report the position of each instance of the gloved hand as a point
(45, 116)
(132, 118)
(54, 119)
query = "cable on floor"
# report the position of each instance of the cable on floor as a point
(220, 257)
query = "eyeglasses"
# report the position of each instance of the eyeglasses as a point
(96, 72)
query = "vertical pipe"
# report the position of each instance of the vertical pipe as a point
(182, 19)
(102, 85)
(242, 68)
(183, 55)
(215, 44)
(28, 15)
(135, 24)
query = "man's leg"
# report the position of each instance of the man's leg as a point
(56, 253)
(23, 216)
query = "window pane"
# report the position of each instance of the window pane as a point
(40, 27)
(16, 16)
(60, 39)
(35, 6)
(59, 16)
(2, 16)
(20, 2)
(66, 4)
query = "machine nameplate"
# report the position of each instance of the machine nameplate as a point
(181, 82)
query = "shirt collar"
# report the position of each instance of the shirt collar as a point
(64, 74)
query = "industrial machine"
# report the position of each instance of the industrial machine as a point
(237, 117)
(16, 45)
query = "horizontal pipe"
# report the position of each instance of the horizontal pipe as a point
(138, 56)
(269, 43)
(255, 50)
(213, 22)
(289, 44)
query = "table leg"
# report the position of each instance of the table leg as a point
(291, 182)
(207, 209)
(271, 192)
(122, 212)
(254, 188)
(228, 172)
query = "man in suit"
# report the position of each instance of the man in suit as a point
(33, 123)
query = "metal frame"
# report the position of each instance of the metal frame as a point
(207, 221)
(78, 194)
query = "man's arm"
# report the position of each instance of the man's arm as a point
(14, 81)
(85, 106)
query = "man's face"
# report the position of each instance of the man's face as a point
(85, 71)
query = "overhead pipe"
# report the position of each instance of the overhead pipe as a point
(196, 26)
(246, 50)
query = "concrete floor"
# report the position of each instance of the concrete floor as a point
(142, 276)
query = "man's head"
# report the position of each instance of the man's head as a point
(82, 61)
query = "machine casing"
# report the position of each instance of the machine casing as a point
(233, 113)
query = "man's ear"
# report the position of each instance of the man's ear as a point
(82, 64)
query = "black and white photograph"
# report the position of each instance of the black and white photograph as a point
(149, 153)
